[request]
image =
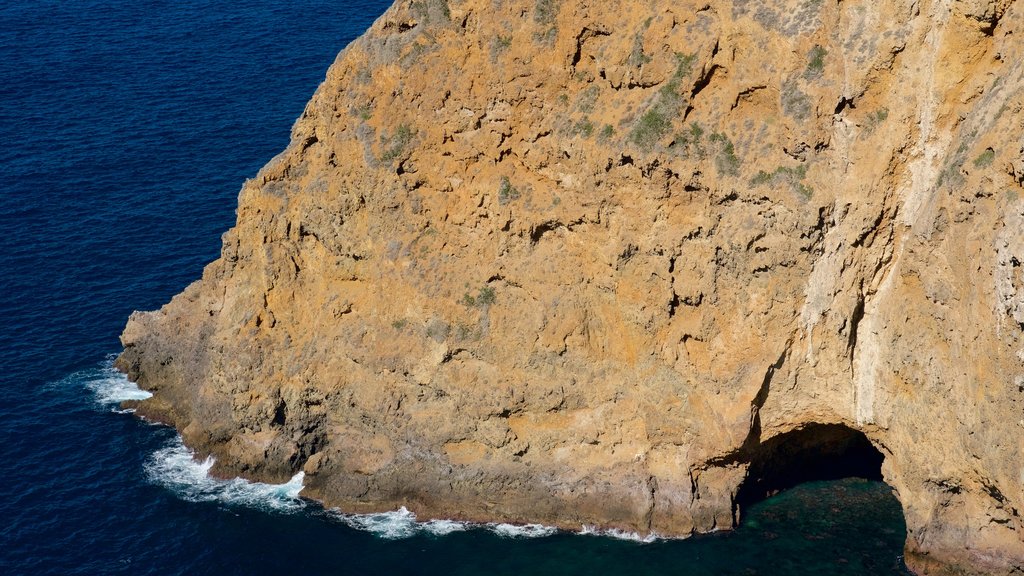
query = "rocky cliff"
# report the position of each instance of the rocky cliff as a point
(591, 263)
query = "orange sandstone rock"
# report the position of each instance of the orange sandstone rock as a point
(584, 263)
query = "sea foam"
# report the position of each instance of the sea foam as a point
(109, 386)
(176, 469)
(402, 523)
(399, 524)
(522, 531)
(617, 534)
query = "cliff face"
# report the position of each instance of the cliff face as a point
(580, 263)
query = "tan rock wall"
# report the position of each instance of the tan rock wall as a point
(570, 262)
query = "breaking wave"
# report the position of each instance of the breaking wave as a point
(620, 534)
(175, 468)
(402, 523)
(399, 524)
(522, 531)
(109, 386)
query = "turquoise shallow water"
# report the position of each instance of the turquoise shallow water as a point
(127, 130)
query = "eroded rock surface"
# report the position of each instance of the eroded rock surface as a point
(575, 262)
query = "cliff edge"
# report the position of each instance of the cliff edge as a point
(584, 263)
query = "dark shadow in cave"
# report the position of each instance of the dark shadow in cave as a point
(814, 452)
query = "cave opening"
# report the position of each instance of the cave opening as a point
(813, 452)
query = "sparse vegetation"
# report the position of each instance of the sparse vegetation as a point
(726, 161)
(804, 190)
(506, 192)
(689, 142)
(485, 297)
(684, 65)
(951, 175)
(874, 119)
(656, 122)
(432, 11)
(399, 324)
(546, 37)
(794, 102)
(545, 11)
(465, 332)
(587, 99)
(584, 128)
(696, 130)
(437, 330)
(651, 127)
(816, 64)
(417, 49)
(395, 146)
(785, 176)
(499, 45)
(363, 112)
(607, 132)
(985, 159)
(637, 58)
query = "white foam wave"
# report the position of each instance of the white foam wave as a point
(402, 523)
(620, 534)
(522, 531)
(175, 468)
(110, 386)
(444, 527)
(399, 524)
(389, 525)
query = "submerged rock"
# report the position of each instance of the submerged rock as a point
(591, 264)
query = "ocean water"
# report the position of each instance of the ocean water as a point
(126, 130)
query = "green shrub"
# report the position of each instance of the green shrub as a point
(651, 128)
(545, 11)
(499, 45)
(395, 146)
(785, 176)
(726, 161)
(363, 112)
(816, 65)
(875, 118)
(684, 65)
(485, 296)
(506, 192)
(584, 127)
(985, 159)
(690, 143)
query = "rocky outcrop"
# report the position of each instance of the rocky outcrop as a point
(580, 263)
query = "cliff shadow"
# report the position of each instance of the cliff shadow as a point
(813, 452)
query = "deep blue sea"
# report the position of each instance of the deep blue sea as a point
(126, 130)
